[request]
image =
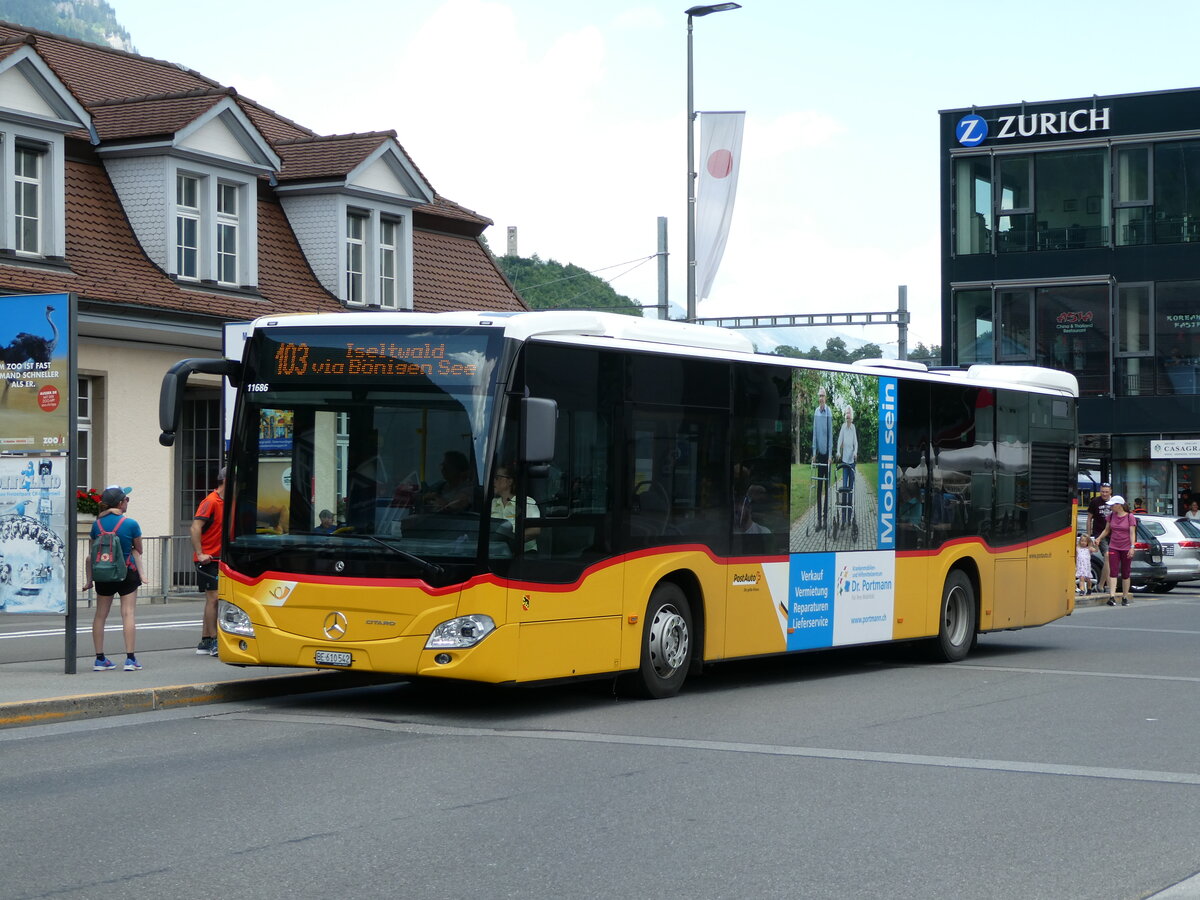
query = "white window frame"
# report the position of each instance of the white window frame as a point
(187, 213)
(83, 425)
(20, 213)
(50, 182)
(383, 278)
(354, 276)
(228, 232)
(217, 217)
(389, 260)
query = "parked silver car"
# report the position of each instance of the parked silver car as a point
(1180, 550)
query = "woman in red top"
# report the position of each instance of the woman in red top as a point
(1121, 532)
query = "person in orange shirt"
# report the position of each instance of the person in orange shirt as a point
(206, 544)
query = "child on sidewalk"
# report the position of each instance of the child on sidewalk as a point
(1084, 582)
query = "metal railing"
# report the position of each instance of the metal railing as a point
(167, 560)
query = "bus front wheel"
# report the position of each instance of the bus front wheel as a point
(666, 645)
(956, 626)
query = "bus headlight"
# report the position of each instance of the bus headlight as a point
(233, 619)
(465, 631)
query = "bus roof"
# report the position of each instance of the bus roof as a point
(524, 325)
(592, 324)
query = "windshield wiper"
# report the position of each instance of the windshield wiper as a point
(424, 564)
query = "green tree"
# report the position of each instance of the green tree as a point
(931, 356)
(835, 351)
(867, 351)
(552, 285)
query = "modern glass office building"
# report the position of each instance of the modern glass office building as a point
(1071, 239)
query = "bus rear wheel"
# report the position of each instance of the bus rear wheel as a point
(956, 625)
(666, 645)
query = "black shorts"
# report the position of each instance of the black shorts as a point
(206, 575)
(119, 588)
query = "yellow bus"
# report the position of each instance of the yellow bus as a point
(532, 497)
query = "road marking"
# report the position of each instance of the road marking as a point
(1123, 628)
(87, 629)
(1188, 679)
(1184, 890)
(906, 759)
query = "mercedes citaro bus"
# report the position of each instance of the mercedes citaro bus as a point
(530, 497)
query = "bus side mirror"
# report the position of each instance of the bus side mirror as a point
(539, 419)
(170, 398)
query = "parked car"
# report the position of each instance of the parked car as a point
(1180, 545)
(1147, 569)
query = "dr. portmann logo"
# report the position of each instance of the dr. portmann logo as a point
(745, 580)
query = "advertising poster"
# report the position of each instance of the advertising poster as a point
(842, 563)
(33, 521)
(35, 409)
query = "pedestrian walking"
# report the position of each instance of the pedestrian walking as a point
(114, 566)
(206, 534)
(1121, 532)
(1097, 517)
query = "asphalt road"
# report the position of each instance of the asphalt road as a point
(1057, 762)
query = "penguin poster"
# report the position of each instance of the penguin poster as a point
(35, 397)
(33, 523)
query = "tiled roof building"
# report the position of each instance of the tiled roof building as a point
(170, 204)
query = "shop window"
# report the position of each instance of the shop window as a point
(1133, 202)
(1134, 344)
(973, 334)
(1177, 192)
(1177, 333)
(1016, 325)
(973, 205)
(1072, 334)
(1014, 184)
(1072, 200)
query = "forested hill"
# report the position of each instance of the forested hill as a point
(551, 285)
(88, 20)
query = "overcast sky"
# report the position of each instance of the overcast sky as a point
(567, 119)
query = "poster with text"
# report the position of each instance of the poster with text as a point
(35, 408)
(33, 527)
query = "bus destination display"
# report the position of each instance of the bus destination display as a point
(448, 360)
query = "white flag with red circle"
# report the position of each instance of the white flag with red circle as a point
(720, 156)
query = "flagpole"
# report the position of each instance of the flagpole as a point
(691, 182)
(691, 152)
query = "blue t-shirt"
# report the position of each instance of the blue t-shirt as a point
(129, 530)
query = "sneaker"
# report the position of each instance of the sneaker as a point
(1125, 602)
(215, 648)
(205, 647)
(103, 665)
(132, 665)
(1112, 602)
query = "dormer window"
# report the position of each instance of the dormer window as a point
(27, 197)
(209, 229)
(388, 231)
(227, 233)
(356, 229)
(187, 227)
(372, 258)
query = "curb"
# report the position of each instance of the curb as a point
(90, 706)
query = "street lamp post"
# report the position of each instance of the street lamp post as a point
(692, 13)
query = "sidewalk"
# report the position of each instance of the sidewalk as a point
(37, 692)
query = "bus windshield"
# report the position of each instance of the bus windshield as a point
(361, 450)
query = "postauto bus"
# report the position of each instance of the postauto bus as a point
(532, 497)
